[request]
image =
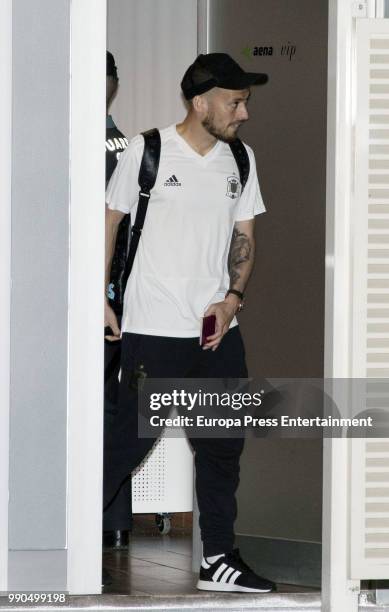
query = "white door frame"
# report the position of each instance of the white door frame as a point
(85, 356)
(5, 273)
(86, 295)
(338, 591)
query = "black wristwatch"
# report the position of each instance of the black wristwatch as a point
(240, 295)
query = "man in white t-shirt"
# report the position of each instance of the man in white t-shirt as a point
(194, 258)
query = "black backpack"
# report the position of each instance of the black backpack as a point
(147, 176)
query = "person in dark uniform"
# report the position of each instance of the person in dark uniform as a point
(117, 516)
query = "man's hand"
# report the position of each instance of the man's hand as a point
(111, 321)
(224, 313)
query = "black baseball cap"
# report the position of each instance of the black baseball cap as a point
(111, 66)
(217, 70)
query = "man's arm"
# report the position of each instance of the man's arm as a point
(242, 254)
(240, 265)
(112, 221)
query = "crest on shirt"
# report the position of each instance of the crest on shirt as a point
(233, 187)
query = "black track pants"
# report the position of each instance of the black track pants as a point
(216, 459)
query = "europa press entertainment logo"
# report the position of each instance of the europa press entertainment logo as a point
(286, 50)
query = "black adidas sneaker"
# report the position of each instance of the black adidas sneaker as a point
(230, 573)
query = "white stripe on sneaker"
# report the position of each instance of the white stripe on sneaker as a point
(219, 571)
(214, 558)
(234, 577)
(226, 574)
(204, 564)
(220, 578)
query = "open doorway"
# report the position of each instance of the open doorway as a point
(283, 326)
(54, 475)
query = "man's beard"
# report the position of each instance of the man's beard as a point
(209, 124)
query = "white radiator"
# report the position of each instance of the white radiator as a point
(369, 537)
(164, 480)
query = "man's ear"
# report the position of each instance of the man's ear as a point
(200, 104)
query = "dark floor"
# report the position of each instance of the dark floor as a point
(159, 565)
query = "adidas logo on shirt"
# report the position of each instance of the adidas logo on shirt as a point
(172, 182)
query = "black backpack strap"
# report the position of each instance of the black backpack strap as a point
(147, 176)
(240, 154)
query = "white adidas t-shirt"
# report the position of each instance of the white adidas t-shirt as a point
(181, 264)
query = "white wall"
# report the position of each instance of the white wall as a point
(153, 43)
(56, 415)
(39, 270)
(5, 272)
(40, 235)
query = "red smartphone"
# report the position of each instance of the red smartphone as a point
(208, 328)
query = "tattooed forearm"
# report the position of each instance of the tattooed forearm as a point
(240, 253)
